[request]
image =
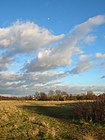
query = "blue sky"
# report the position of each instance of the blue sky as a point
(52, 44)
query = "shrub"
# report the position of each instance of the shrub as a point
(91, 111)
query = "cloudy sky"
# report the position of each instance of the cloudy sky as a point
(52, 44)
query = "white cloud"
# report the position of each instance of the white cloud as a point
(9, 76)
(61, 54)
(87, 26)
(51, 51)
(26, 37)
(11, 82)
(100, 55)
(23, 38)
(79, 89)
(4, 42)
(5, 62)
(81, 67)
(89, 39)
(48, 59)
(83, 57)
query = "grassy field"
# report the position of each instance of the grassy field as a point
(43, 120)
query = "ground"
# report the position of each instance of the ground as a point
(45, 120)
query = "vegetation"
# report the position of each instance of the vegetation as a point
(94, 111)
(54, 96)
(48, 120)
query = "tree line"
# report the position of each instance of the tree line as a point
(56, 95)
(93, 110)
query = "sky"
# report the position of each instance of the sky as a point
(52, 45)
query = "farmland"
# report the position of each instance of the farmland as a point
(45, 120)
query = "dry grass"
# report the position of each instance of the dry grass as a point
(89, 136)
(37, 120)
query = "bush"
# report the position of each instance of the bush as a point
(91, 111)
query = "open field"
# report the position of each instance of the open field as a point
(45, 120)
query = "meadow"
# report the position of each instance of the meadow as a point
(45, 120)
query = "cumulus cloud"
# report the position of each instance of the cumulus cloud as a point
(50, 52)
(90, 39)
(62, 54)
(24, 82)
(14, 83)
(83, 57)
(81, 67)
(91, 22)
(5, 62)
(26, 37)
(52, 58)
(20, 84)
(100, 55)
